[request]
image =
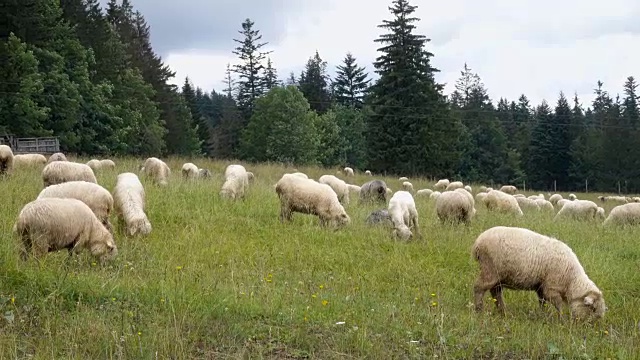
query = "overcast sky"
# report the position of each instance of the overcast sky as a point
(533, 47)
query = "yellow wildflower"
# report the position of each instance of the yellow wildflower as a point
(325, 302)
(178, 268)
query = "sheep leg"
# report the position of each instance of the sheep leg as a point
(554, 298)
(487, 279)
(496, 293)
(414, 222)
(541, 299)
(285, 213)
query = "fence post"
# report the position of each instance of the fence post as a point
(524, 185)
(586, 185)
(618, 187)
(555, 189)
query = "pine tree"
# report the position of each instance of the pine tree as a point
(541, 149)
(203, 130)
(270, 76)
(291, 80)
(228, 82)
(351, 83)
(631, 122)
(314, 84)
(229, 124)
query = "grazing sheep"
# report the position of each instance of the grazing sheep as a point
(310, 197)
(250, 176)
(129, 203)
(600, 214)
(577, 210)
(544, 205)
(107, 164)
(28, 160)
(6, 160)
(94, 164)
(441, 184)
(555, 198)
(502, 202)
(509, 189)
(455, 206)
(389, 192)
(424, 192)
(236, 183)
(302, 175)
(454, 185)
(404, 215)
(338, 186)
(373, 191)
(434, 195)
(536, 197)
(627, 214)
(190, 171)
(527, 204)
(354, 189)
(520, 259)
(572, 197)
(561, 203)
(52, 224)
(481, 198)
(348, 171)
(469, 189)
(520, 196)
(58, 172)
(157, 170)
(407, 186)
(205, 174)
(97, 198)
(57, 157)
(403, 178)
(614, 199)
(482, 188)
(368, 173)
(380, 216)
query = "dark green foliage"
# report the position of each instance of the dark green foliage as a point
(351, 83)
(314, 84)
(197, 118)
(270, 76)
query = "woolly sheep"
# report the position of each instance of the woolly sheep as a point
(94, 164)
(373, 191)
(555, 198)
(577, 210)
(614, 199)
(157, 170)
(403, 178)
(434, 195)
(380, 216)
(544, 205)
(52, 224)
(521, 259)
(190, 171)
(561, 203)
(236, 183)
(58, 172)
(600, 214)
(502, 202)
(302, 175)
(536, 197)
(520, 196)
(310, 197)
(97, 198)
(6, 160)
(482, 188)
(129, 204)
(354, 189)
(404, 215)
(455, 206)
(107, 164)
(389, 192)
(368, 173)
(407, 186)
(28, 160)
(468, 188)
(627, 214)
(338, 186)
(57, 157)
(481, 198)
(206, 173)
(424, 192)
(509, 189)
(527, 204)
(250, 176)
(572, 197)
(348, 171)
(441, 184)
(454, 185)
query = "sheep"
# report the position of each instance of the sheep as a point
(627, 214)
(57, 172)
(555, 198)
(6, 160)
(615, 199)
(469, 189)
(404, 215)
(52, 224)
(536, 197)
(368, 173)
(600, 214)
(373, 191)
(441, 184)
(403, 178)
(250, 176)
(354, 189)
(97, 198)
(380, 216)
(28, 160)
(509, 189)
(389, 192)
(502, 202)
(190, 171)
(236, 183)
(107, 164)
(310, 197)
(521, 259)
(577, 210)
(157, 170)
(94, 164)
(544, 205)
(434, 195)
(302, 175)
(424, 192)
(338, 186)
(129, 204)
(482, 189)
(206, 173)
(561, 203)
(407, 186)
(454, 185)
(481, 198)
(527, 204)
(572, 197)
(57, 157)
(455, 206)
(348, 171)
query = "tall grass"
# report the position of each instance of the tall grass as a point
(226, 280)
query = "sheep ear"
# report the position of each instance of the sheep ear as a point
(588, 300)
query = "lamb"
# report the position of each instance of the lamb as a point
(615, 199)
(57, 157)
(380, 216)
(348, 171)
(502, 202)
(441, 184)
(58, 172)
(403, 178)
(373, 191)
(338, 186)
(600, 214)
(572, 197)
(190, 171)
(520, 259)
(407, 186)
(404, 215)
(129, 204)
(6, 160)
(454, 185)
(28, 160)
(627, 214)
(236, 183)
(509, 189)
(555, 198)
(368, 173)
(577, 210)
(157, 170)
(455, 206)
(205, 174)
(52, 224)
(310, 197)
(424, 192)
(97, 198)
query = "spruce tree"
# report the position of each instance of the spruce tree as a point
(351, 83)
(270, 76)
(204, 133)
(228, 82)
(541, 149)
(314, 84)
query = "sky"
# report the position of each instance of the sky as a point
(538, 48)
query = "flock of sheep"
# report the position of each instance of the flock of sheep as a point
(72, 212)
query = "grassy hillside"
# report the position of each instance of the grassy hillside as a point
(227, 280)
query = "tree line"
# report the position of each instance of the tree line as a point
(91, 77)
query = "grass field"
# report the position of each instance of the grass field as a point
(218, 280)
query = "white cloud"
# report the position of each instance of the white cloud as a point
(536, 48)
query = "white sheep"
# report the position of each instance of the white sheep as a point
(236, 183)
(97, 198)
(555, 198)
(403, 178)
(404, 216)
(441, 184)
(6, 160)
(205, 173)
(300, 174)
(58, 171)
(600, 214)
(469, 189)
(509, 189)
(481, 198)
(527, 204)
(577, 210)
(250, 176)
(26, 160)
(482, 189)
(348, 171)
(572, 197)
(338, 186)
(455, 206)
(307, 196)
(521, 259)
(627, 214)
(454, 185)
(614, 199)
(503, 203)
(407, 186)
(434, 195)
(52, 224)
(129, 204)
(190, 171)
(107, 164)
(368, 173)
(561, 203)
(94, 164)
(544, 205)
(57, 157)
(424, 192)
(157, 170)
